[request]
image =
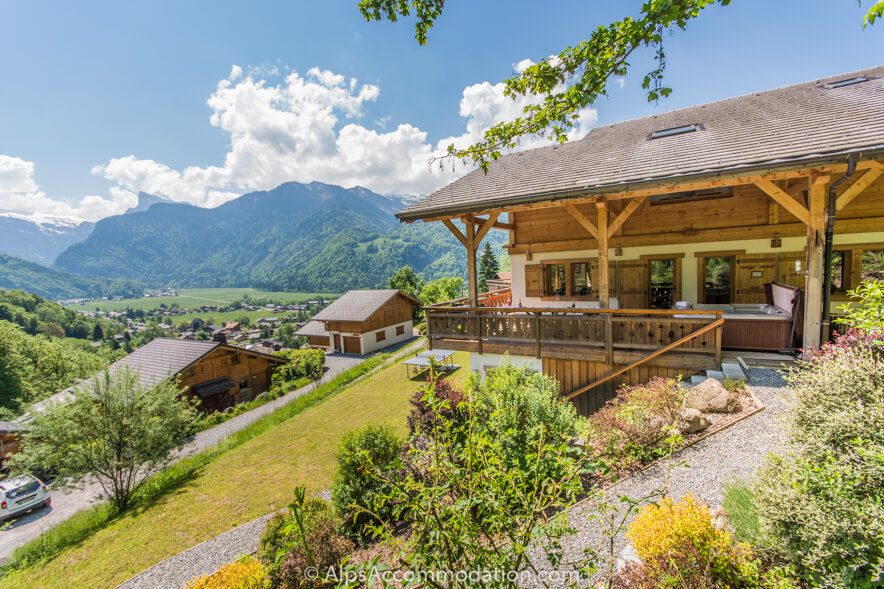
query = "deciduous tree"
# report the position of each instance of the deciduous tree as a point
(575, 78)
(115, 429)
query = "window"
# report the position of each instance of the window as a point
(838, 270)
(581, 279)
(873, 265)
(380, 336)
(400, 329)
(845, 82)
(555, 280)
(675, 131)
(662, 283)
(717, 280)
(243, 384)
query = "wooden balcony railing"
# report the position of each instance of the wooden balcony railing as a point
(613, 336)
(493, 298)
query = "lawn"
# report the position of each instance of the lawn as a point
(197, 297)
(246, 482)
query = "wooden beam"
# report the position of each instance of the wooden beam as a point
(486, 227)
(670, 238)
(453, 228)
(618, 221)
(472, 270)
(604, 287)
(854, 189)
(783, 198)
(816, 230)
(581, 218)
(497, 224)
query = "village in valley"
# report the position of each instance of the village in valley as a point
(615, 321)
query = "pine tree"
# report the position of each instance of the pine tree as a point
(97, 333)
(488, 267)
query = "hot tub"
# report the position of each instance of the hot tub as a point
(754, 327)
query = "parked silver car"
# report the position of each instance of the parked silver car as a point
(21, 494)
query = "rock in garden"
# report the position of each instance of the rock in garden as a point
(690, 421)
(711, 396)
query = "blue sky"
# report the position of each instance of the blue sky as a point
(88, 85)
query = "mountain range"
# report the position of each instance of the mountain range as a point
(308, 237)
(40, 238)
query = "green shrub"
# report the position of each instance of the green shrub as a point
(277, 538)
(820, 500)
(527, 407)
(868, 314)
(354, 489)
(302, 363)
(633, 427)
(262, 398)
(321, 549)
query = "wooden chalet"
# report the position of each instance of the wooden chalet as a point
(216, 374)
(362, 321)
(646, 247)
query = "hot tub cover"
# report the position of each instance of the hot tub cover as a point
(213, 387)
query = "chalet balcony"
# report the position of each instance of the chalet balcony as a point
(688, 340)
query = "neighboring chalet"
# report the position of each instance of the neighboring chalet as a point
(217, 375)
(501, 281)
(361, 322)
(646, 247)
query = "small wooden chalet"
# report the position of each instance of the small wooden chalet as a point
(646, 247)
(216, 374)
(500, 281)
(362, 321)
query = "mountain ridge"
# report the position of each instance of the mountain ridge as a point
(295, 236)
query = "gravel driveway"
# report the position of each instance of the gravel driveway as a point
(734, 452)
(66, 503)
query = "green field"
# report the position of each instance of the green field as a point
(190, 298)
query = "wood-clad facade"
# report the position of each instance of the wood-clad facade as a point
(248, 372)
(361, 322)
(635, 256)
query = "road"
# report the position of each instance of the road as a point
(66, 503)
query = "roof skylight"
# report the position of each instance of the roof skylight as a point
(675, 131)
(846, 82)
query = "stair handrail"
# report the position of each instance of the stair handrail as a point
(718, 322)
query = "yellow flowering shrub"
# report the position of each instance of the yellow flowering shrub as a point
(247, 573)
(679, 540)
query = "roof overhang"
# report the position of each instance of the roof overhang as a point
(831, 162)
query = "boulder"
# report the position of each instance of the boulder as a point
(711, 396)
(690, 421)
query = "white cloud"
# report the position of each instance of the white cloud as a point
(301, 128)
(621, 82)
(20, 193)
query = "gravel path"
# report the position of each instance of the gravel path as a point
(66, 503)
(203, 559)
(734, 452)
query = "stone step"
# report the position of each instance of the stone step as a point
(733, 371)
(716, 374)
(697, 379)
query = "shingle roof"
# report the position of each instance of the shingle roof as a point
(154, 361)
(775, 128)
(313, 328)
(357, 305)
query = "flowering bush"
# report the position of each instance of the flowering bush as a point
(247, 573)
(320, 549)
(680, 546)
(632, 427)
(820, 500)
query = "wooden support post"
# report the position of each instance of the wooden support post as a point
(472, 270)
(604, 279)
(479, 330)
(816, 237)
(537, 333)
(609, 339)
